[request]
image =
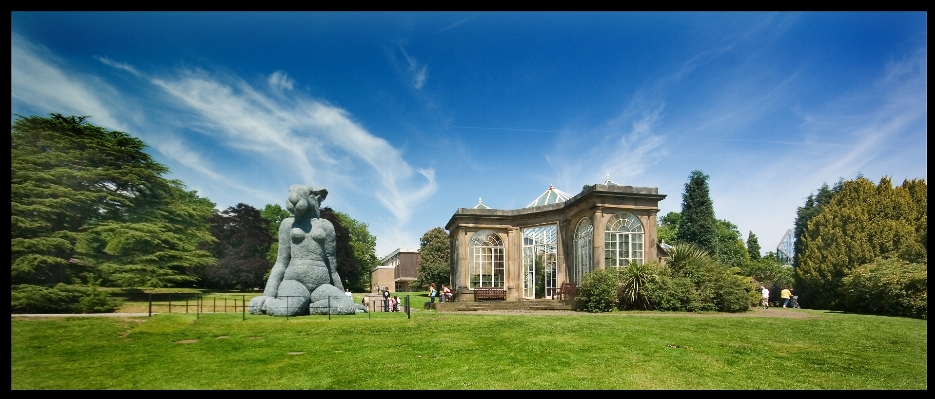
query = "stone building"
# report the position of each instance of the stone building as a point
(556, 239)
(397, 271)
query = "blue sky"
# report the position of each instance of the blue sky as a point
(405, 117)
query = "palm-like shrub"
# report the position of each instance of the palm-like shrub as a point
(684, 255)
(633, 280)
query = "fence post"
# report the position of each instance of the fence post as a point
(329, 307)
(150, 304)
(170, 303)
(225, 304)
(408, 308)
(243, 315)
(186, 304)
(214, 309)
(198, 307)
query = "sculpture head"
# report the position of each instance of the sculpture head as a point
(304, 199)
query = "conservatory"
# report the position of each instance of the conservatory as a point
(530, 252)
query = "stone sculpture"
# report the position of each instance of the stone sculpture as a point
(304, 279)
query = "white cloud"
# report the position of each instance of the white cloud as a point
(37, 80)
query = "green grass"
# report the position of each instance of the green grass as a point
(472, 351)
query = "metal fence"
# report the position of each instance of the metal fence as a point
(198, 304)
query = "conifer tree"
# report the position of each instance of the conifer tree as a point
(753, 246)
(697, 224)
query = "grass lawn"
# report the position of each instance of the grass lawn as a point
(622, 350)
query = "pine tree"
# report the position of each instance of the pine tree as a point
(697, 224)
(753, 246)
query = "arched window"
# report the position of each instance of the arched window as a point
(584, 241)
(486, 253)
(623, 241)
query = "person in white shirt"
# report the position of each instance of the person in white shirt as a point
(765, 301)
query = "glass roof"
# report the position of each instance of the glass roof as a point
(550, 196)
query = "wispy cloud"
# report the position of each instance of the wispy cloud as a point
(418, 70)
(280, 80)
(459, 22)
(287, 130)
(38, 80)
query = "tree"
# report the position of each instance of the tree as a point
(356, 249)
(753, 246)
(813, 206)
(861, 223)
(668, 227)
(86, 199)
(434, 258)
(697, 224)
(274, 214)
(729, 248)
(241, 248)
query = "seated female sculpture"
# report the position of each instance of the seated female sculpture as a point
(304, 278)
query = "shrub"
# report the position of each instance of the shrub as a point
(598, 292)
(633, 280)
(887, 286)
(62, 298)
(672, 293)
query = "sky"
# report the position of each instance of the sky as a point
(407, 116)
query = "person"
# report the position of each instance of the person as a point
(765, 299)
(786, 295)
(347, 291)
(432, 293)
(446, 293)
(386, 301)
(366, 301)
(395, 303)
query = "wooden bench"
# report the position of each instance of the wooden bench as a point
(483, 293)
(569, 290)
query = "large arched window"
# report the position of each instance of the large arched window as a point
(584, 241)
(486, 253)
(623, 241)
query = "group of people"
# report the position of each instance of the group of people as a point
(389, 304)
(444, 296)
(785, 295)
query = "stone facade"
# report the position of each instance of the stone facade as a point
(522, 253)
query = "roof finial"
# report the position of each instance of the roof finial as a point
(479, 200)
(550, 187)
(608, 179)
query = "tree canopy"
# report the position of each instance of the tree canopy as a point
(697, 224)
(356, 250)
(862, 222)
(434, 258)
(241, 248)
(85, 199)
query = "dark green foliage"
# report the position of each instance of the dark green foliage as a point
(85, 199)
(753, 247)
(861, 223)
(61, 298)
(598, 291)
(813, 205)
(434, 259)
(697, 224)
(887, 287)
(241, 248)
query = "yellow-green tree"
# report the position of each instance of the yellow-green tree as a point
(862, 222)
